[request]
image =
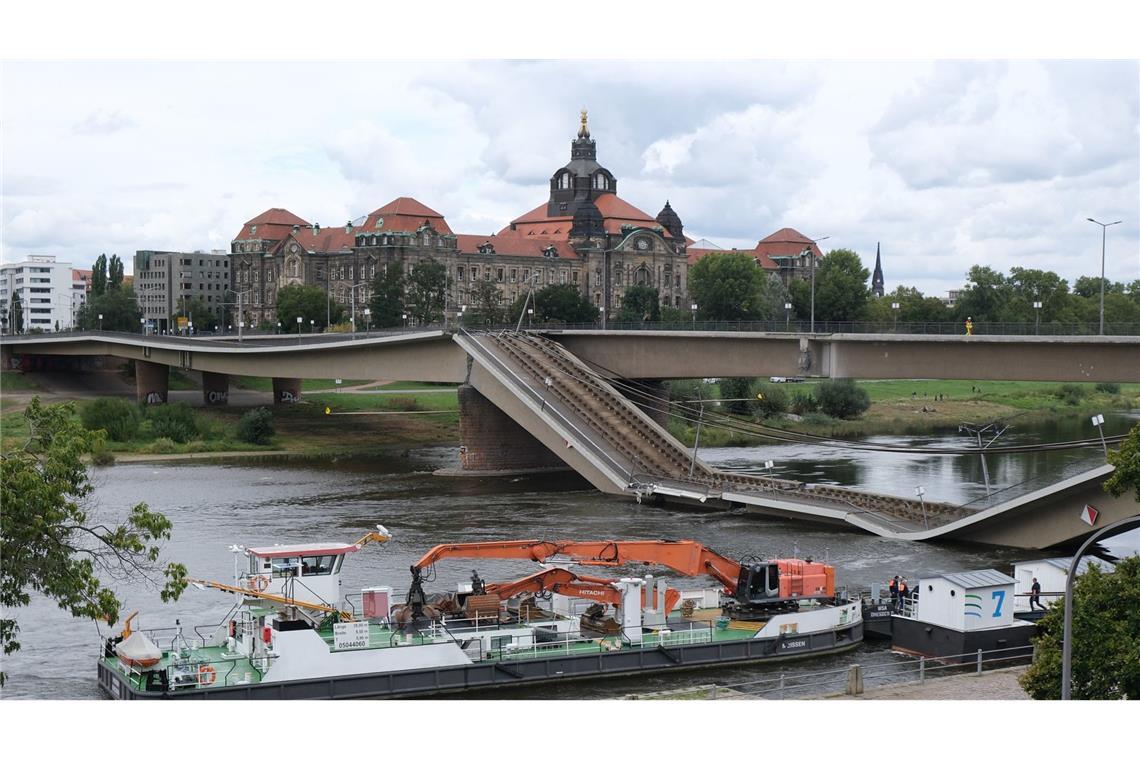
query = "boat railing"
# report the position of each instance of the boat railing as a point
(822, 682)
(198, 670)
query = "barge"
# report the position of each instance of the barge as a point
(291, 634)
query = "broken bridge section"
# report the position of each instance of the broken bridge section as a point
(558, 401)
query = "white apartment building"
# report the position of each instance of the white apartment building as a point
(47, 294)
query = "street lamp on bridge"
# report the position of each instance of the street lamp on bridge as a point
(811, 262)
(1103, 233)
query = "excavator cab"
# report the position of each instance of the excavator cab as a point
(758, 583)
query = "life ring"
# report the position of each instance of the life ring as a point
(207, 675)
(258, 582)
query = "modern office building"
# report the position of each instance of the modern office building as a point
(45, 289)
(168, 283)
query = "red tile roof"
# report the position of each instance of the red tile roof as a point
(404, 215)
(273, 224)
(615, 212)
(327, 240)
(514, 245)
(787, 242)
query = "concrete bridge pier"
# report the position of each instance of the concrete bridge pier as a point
(491, 441)
(152, 382)
(215, 388)
(286, 390)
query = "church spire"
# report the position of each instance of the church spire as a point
(877, 277)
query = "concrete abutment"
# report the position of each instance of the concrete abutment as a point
(491, 441)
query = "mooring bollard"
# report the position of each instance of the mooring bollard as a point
(979, 662)
(714, 691)
(854, 681)
(781, 686)
(922, 670)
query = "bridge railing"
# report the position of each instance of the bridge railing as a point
(797, 327)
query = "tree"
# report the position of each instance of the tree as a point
(563, 303)
(729, 287)
(427, 291)
(16, 308)
(1106, 648)
(387, 303)
(842, 398)
(737, 394)
(197, 311)
(115, 273)
(841, 291)
(486, 309)
(1126, 460)
(641, 303)
(985, 296)
(99, 276)
(913, 307)
(119, 308)
(310, 304)
(53, 541)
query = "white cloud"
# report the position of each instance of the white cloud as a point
(946, 164)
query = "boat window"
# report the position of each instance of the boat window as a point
(285, 567)
(339, 562)
(498, 642)
(321, 565)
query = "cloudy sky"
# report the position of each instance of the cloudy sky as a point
(947, 164)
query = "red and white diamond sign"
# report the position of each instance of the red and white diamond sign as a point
(1089, 514)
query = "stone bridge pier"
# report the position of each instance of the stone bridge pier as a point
(152, 382)
(490, 441)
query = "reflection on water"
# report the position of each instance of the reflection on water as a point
(213, 506)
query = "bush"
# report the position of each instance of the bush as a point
(174, 421)
(1072, 394)
(804, 403)
(256, 426)
(737, 388)
(102, 458)
(1110, 388)
(161, 446)
(686, 390)
(118, 416)
(405, 404)
(843, 399)
(772, 400)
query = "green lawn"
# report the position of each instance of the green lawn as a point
(266, 384)
(17, 381)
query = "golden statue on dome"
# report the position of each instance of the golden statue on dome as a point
(583, 131)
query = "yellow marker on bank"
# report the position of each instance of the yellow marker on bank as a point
(328, 410)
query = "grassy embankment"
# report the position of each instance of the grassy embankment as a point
(356, 423)
(897, 408)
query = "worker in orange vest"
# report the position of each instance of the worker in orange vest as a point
(969, 325)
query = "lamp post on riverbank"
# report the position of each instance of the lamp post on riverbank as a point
(811, 262)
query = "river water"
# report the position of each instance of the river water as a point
(215, 505)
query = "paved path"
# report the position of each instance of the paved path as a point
(992, 684)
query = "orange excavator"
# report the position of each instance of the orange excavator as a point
(751, 585)
(562, 581)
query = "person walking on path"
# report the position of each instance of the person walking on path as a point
(969, 325)
(1035, 595)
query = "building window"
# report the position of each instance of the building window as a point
(459, 273)
(514, 275)
(499, 274)
(574, 275)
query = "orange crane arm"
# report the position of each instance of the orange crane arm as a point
(564, 582)
(537, 551)
(685, 557)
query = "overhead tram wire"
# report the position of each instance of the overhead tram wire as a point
(732, 424)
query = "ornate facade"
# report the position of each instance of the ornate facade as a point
(583, 235)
